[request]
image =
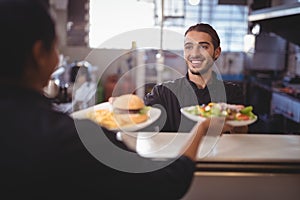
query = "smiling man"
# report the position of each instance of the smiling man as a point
(201, 49)
(199, 86)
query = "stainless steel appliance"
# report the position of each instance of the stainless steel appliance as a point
(286, 106)
(269, 53)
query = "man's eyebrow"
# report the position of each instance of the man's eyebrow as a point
(188, 43)
(204, 43)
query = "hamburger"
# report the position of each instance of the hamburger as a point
(129, 109)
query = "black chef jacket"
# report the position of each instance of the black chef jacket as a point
(43, 157)
(171, 96)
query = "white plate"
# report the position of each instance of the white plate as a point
(242, 122)
(229, 122)
(191, 116)
(154, 114)
(162, 145)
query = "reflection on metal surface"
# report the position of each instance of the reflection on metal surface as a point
(279, 11)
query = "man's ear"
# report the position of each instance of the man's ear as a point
(217, 53)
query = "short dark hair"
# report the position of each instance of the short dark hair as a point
(202, 27)
(22, 22)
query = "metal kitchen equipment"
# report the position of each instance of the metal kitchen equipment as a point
(80, 71)
(269, 53)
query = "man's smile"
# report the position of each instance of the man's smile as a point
(196, 63)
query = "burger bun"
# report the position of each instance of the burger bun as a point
(128, 102)
(126, 110)
(130, 119)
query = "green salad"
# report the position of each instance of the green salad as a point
(230, 111)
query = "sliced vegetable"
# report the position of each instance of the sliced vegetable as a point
(144, 110)
(230, 111)
(246, 110)
(240, 116)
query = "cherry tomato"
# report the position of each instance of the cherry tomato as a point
(240, 116)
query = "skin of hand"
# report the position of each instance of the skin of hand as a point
(211, 126)
(111, 100)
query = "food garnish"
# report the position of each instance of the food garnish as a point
(229, 111)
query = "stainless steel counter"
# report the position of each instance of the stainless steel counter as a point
(254, 153)
(256, 148)
(242, 152)
(234, 166)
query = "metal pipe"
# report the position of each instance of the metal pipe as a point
(162, 23)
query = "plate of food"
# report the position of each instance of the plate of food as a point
(236, 115)
(126, 113)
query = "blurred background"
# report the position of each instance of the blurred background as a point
(115, 47)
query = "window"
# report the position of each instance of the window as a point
(230, 21)
(109, 19)
(114, 18)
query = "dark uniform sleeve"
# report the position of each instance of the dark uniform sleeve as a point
(171, 182)
(85, 176)
(153, 98)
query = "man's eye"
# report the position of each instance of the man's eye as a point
(203, 46)
(188, 47)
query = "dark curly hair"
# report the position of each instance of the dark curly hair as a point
(202, 27)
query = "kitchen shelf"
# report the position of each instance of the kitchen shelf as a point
(282, 20)
(275, 12)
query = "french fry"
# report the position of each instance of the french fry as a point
(103, 117)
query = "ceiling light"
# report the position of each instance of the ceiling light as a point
(194, 2)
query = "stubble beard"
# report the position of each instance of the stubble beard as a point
(201, 71)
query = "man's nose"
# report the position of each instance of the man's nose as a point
(196, 50)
